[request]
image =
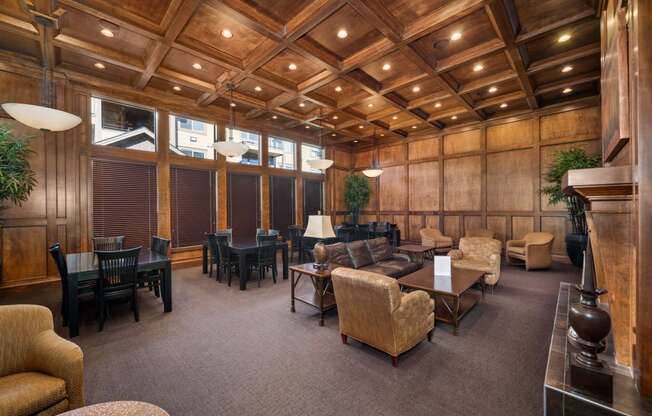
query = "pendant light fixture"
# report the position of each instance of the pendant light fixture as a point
(374, 171)
(43, 117)
(321, 164)
(231, 148)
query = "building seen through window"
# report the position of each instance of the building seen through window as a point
(252, 156)
(281, 153)
(310, 152)
(121, 125)
(192, 137)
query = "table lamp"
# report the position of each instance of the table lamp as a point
(320, 227)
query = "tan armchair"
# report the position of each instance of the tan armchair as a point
(40, 372)
(433, 237)
(479, 232)
(478, 253)
(534, 250)
(372, 309)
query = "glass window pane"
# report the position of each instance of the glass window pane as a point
(191, 137)
(252, 156)
(309, 152)
(281, 153)
(121, 125)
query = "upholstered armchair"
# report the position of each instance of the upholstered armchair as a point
(478, 253)
(534, 250)
(479, 232)
(40, 372)
(433, 237)
(372, 309)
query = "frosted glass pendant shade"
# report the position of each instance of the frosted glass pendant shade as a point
(372, 173)
(322, 164)
(42, 118)
(231, 148)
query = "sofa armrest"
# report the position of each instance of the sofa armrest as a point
(445, 239)
(538, 256)
(494, 261)
(53, 355)
(456, 254)
(414, 305)
(515, 243)
(401, 256)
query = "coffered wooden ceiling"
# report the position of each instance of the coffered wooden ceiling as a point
(362, 69)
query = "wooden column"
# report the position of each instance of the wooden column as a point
(163, 171)
(222, 202)
(265, 219)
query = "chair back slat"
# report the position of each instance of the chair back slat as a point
(223, 249)
(160, 245)
(60, 260)
(266, 252)
(108, 243)
(118, 269)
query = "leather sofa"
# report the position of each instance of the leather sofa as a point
(40, 372)
(534, 249)
(375, 255)
(372, 310)
(479, 253)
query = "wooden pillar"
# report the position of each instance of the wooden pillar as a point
(221, 194)
(265, 219)
(163, 171)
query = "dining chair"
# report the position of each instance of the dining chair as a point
(228, 232)
(266, 259)
(118, 278)
(152, 279)
(108, 243)
(87, 287)
(295, 232)
(228, 261)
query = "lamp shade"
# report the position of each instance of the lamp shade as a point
(321, 164)
(40, 117)
(319, 226)
(231, 148)
(372, 173)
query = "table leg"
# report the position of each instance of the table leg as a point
(292, 283)
(483, 284)
(455, 314)
(167, 287)
(244, 271)
(204, 259)
(73, 306)
(285, 262)
(320, 293)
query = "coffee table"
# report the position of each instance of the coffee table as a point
(417, 252)
(453, 297)
(319, 296)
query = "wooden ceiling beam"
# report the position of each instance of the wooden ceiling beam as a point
(377, 14)
(249, 16)
(18, 27)
(487, 81)
(469, 55)
(505, 98)
(430, 98)
(446, 114)
(100, 53)
(557, 24)
(564, 58)
(568, 82)
(441, 17)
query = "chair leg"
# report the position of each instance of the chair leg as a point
(261, 274)
(430, 335)
(394, 361)
(274, 271)
(219, 275)
(344, 338)
(228, 274)
(157, 289)
(101, 307)
(134, 302)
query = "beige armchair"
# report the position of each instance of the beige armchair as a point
(478, 253)
(372, 309)
(433, 237)
(479, 232)
(40, 372)
(534, 250)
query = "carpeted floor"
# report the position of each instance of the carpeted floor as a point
(226, 352)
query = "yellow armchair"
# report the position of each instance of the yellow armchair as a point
(479, 253)
(433, 237)
(40, 372)
(534, 250)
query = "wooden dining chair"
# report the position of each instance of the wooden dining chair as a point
(118, 279)
(152, 279)
(295, 233)
(108, 243)
(228, 261)
(266, 259)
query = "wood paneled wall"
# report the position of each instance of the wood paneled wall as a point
(487, 175)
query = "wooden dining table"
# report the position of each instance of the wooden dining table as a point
(83, 267)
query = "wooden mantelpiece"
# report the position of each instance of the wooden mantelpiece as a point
(610, 182)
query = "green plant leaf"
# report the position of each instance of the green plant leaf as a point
(17, 179)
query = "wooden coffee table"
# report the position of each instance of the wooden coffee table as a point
(319, 296)
(453, 297)
(417, 252)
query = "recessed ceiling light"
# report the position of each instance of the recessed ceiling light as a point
(414, 127)
(275, 117)
(478, 67)
(232, 104)
(503, 105)
(335, 117)
(338, 89)
(361, 126)
(342, 33)
(258, 88)
(292, 67)
(563, 38)
(437, 105)
(567, 90)
(333, 134)
(107, 32)
(302, 104)
(370, 105)
(454, 118)
(387, 67)
(99, 65)
(456, 36)
(416, 88)
(307, 127)
(493, 89)
(394, 117)
(567, 68)
(226, 33)
(382, 134)
(196, 65)
(176, 88)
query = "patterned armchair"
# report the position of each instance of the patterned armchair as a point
(40, 372)
(433, 237)
(479, 232)
(372, 309)
(534, 250)
(478, 253)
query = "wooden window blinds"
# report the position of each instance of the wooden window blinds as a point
(192, 203)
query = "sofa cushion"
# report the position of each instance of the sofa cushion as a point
(377, 268)
(517, 250)
(473, 264)
(380, 249)
(359, 254)
(402, 266)
(338, 254)
(29, 393)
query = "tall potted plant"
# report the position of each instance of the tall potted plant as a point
(565, 160)
(356, 194)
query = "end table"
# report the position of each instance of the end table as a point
(319, 296)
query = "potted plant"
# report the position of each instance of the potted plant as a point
(565, 160)
(356, 195)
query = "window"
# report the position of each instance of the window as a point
(313, 198)
(252, 156)
(281, 153)
(125, 201)
(192, 204)
(191, 137)
(309, 152)
(121, 125)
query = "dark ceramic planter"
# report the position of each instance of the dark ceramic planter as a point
(575, 246)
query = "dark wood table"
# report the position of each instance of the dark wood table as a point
(245, 250)
(83, 267)
(453, 297)
(320, 296)
(417, 252)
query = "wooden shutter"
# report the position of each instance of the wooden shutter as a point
(192, 201)
(281, 189)
(243, 193)
(313, 198)
(125, 201)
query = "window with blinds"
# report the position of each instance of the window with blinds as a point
(192, 203)
(125, 201)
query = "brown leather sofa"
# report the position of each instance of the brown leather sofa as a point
(375, 255)
(40, 372)
(372, 310)
(534, 249)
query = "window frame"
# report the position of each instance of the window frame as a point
(125, 103)
(305, 165)
(172, 128)
(260, 146)
(271, 137)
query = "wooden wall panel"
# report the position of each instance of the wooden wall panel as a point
(468, 141)
(521, 226)
(462, 183)
(572, 125)
(393, 189)
(423, 149)
(511, 135)
(452, 227)
(557, 226)
(423, 186)
(498, 224)
(472, 222)
(24, 254)
(510, 180)
(373, 196)
(363, 160)
(390, 155)
(401, 222)
(342, 159)
(366, 218)
(338, 179)
(415, 224)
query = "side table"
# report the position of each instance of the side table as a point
(319, 296)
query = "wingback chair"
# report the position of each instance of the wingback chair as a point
(534, 249)
(40, 372)
(479, 232)
(433, 237)
(478, 253)
(372, 309)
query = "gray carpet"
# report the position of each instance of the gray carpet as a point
(226, 352)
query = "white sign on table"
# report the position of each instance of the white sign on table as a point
(443, 275)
